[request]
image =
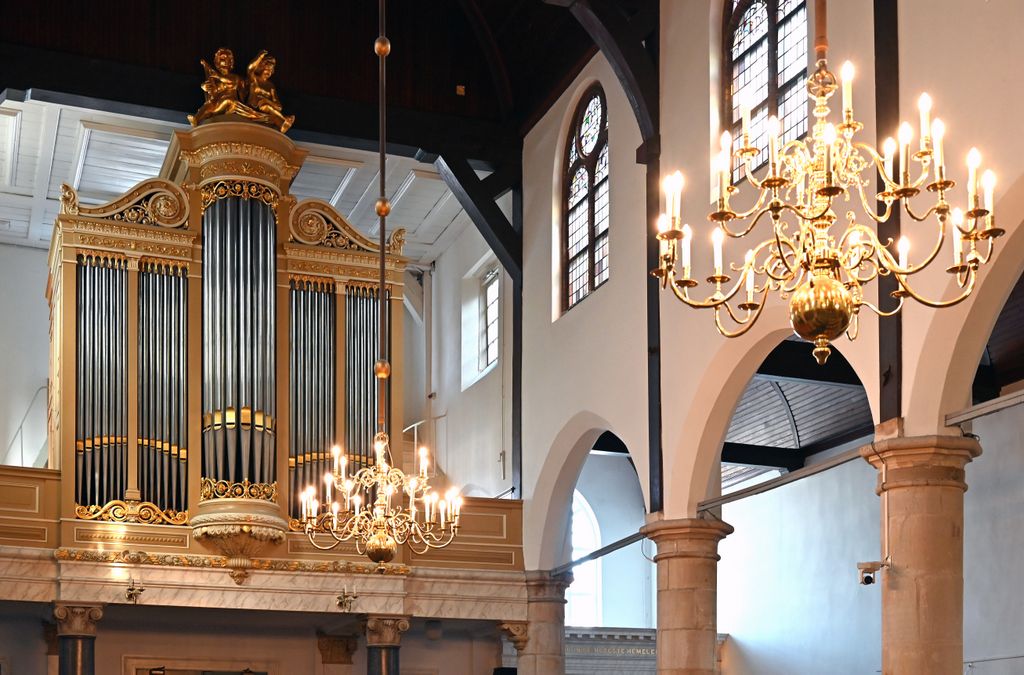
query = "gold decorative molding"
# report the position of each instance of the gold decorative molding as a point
(238, 157)
(222, 489)
(130, 557)
(85, 232)
(131, 511)
(517, 633)
(222, 189)
(317, 223)
(152, 202)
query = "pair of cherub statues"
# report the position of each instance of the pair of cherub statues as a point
(253, 98)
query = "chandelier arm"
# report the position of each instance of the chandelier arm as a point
(311, 534)
(941, 208)
(747, 214)
(781, 257)
(853, 330)
(874, 308)
(748, 172)
(803, 216)
(868, 209)
(745, 325)
(879, 164)
(940, 304)
(714, 300)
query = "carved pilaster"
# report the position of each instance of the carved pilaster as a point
(336, 649)
(385, 631)
(77, 620)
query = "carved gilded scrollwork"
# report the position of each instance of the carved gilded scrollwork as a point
(131, 511)
(151, 202)
(223, 189)
(316, 223)
(222, 489)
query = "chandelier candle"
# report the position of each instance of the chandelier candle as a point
(810, 256)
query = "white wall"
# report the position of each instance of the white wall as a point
(24, 349)
(788, 592)
(610, 486)
(470, 424)
(414, 384)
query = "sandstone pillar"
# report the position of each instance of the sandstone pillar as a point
(543, 651)
(687, 560)
(336, 653)
(921, 482)
(76, 636)
(383, 638)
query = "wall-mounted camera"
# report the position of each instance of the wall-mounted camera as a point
(867, 572)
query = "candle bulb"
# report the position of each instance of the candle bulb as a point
(958, 236)
(444, 512)
(687, 237)
(663, 244)
(458, 510)
(673, 186)
(328, 484)
(344, 467)
(334, 516)
(988, 185)
(336, 453)
(905, 135)
(358, 502)
(829, 137)
(973, 162)
(924, 107)
(773, 144)
(423, 461)
(903, 246)
(749, 264)
(888, 150)
(938, 131)
(717, 236)
(720, 166)
(846, 75)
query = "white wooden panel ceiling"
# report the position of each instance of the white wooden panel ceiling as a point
(102, 155)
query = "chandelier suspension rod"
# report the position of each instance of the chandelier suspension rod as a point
(382, 48)
(820, 30)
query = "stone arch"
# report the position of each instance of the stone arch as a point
(955, 338)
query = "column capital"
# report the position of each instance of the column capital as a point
(385, 631)
(936, 461)
(336, 648)
(545, 586)
(686, 537)
(77, 620)
(517, 633)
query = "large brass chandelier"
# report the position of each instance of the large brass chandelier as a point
(378, 506)
(820, 271)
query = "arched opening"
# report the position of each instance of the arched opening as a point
(1001, 368)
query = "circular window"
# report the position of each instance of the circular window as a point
(590, 126)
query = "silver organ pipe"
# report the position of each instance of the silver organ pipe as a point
(239, 269)
(313, 381)
(162, 401)
(361, 334)
(101, 357)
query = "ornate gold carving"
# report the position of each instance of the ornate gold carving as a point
(240, 154)
(336, 648)
(77, 620)
(317, 223)
(517, 633)
(245, 189)
(226, 91)
(131, 511)
(222, 489)
(221, 562)
(152, 202)
(385, 631)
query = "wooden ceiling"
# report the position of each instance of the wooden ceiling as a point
(493, 66)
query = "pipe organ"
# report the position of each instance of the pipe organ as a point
(211, 339)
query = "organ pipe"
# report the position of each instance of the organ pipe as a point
(239, 317)
(361, 335)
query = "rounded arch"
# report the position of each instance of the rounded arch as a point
(549, 510)
(697, 454)
(955, 338)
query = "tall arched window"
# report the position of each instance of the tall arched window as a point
(765, 56)
(583, 598)
(585, 234)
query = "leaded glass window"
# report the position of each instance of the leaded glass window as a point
(587, 213)
(766, 67)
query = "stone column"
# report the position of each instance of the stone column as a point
(921, 482)
(76, 636)
(543, 650)
(336, 653)
(687, 560)
(52, 648)
(383, 638)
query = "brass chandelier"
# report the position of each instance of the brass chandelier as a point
(378, 506)
(822, 273)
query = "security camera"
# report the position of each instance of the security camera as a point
(867, 572)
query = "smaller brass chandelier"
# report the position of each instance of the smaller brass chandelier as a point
(822, 273)
(378, 506)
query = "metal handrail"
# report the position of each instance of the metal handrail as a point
(415, 426)
(21, 426)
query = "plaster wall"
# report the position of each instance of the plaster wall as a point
(609, 485)
(414, 387)
(24, 346)
(469, 415)
(788, 592)
(584, 370)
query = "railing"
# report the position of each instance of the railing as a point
(20, 431)
(415, 426)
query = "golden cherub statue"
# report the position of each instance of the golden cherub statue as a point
(229, 94)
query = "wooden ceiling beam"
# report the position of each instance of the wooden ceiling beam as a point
(492, 54)
(789, 459)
